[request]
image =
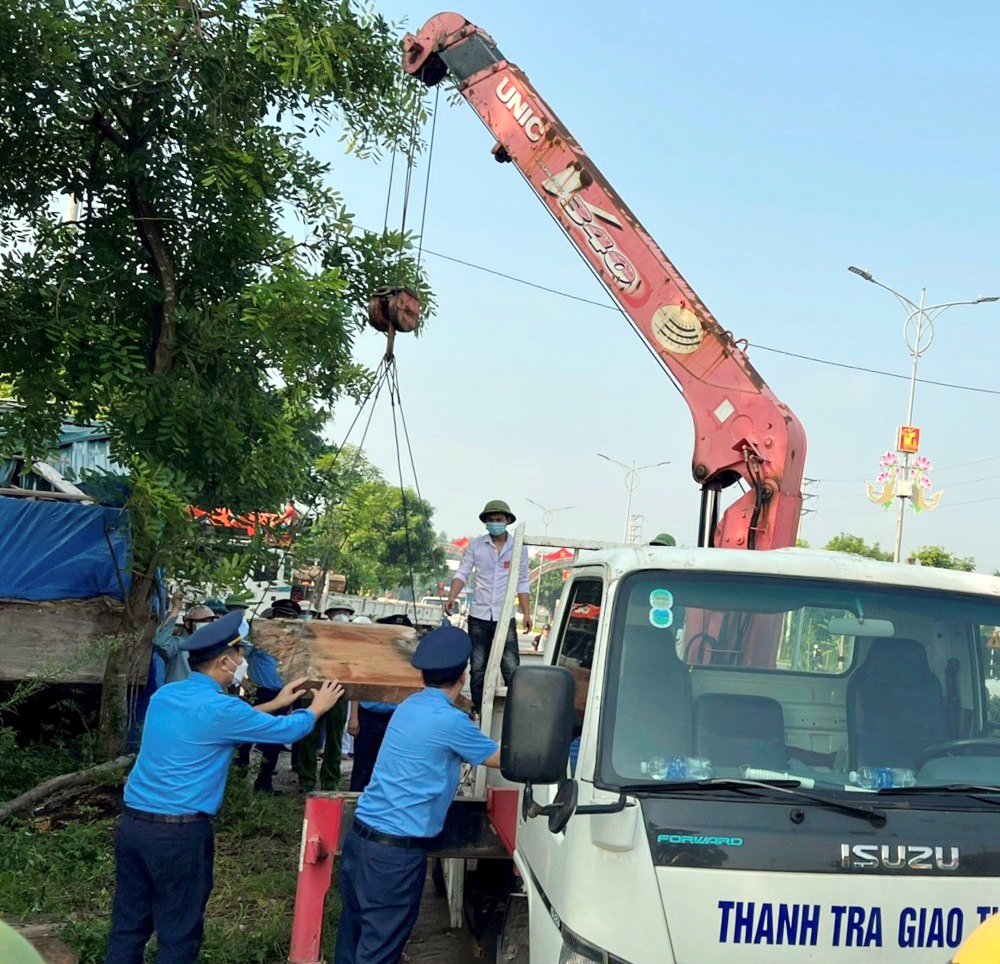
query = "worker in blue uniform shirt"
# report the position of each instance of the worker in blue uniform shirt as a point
(368, 721)
(384, 859)
(164, 844)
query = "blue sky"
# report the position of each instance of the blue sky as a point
(766, 147)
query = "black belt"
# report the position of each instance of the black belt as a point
(166, 817)
(411, 843)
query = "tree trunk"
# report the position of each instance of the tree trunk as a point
(120, 668)
(316, 596)
(44, 791)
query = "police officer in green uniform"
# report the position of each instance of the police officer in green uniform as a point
(384, 860)
(164, 844)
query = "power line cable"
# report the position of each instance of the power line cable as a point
(777, 351)
(952, 505)
(944, 468)
(520, 281)
(876, 371)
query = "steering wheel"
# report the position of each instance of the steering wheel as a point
(701, 640)
(974, 746)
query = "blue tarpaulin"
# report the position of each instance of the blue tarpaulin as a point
(62, 550)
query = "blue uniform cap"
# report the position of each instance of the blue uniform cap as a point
(443, 648)
(218, 635)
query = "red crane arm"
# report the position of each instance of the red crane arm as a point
(742, 431)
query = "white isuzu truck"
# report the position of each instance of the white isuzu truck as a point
(780, 756)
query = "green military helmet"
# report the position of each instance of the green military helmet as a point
(497, 505)
(337, 604)
(664, 539)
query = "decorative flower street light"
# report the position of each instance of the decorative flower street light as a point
(910, 481)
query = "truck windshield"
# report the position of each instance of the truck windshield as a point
(851, 686)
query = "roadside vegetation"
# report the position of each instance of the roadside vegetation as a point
(60, 866)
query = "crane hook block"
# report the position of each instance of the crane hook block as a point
(396, 308)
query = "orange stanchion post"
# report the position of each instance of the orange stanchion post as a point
(320, 835)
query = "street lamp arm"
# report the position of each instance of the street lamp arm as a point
(608, 458)
(652, 465)
(867, 275)
(937, 309)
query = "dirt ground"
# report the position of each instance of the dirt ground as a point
(433, 942)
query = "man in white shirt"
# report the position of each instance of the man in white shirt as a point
(490, 556)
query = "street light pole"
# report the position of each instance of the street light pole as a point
(547, 516)
(632, 473)
(918, 334)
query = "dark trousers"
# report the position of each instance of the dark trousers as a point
(269, 752)
(481, 631)
(331, 726)
(371, 732)
(163, 877)
(380, 890)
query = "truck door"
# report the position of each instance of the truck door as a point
(573, 644)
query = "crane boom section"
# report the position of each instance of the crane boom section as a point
(742, 431)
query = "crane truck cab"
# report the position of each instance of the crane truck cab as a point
(782, 756)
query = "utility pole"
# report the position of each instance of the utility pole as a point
(547, 517)
(632, 473)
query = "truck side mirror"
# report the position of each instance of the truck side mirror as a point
(537, 725)
(537, 732)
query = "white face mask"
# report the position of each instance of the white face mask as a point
(240, 673)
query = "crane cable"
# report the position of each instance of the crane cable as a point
(389, 361)
(378, 383)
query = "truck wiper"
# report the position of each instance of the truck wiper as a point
(973, 790)
(757, 788)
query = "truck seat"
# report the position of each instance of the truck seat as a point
(654, 701)
(895, 707)
(732, 729)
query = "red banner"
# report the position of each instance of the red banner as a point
(558, 554)
(250, 523)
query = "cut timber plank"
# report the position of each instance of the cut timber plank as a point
(51, 639)
(372, 661)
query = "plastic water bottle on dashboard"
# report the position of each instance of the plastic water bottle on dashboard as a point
(655, 769)
(883, 778)
(677, 768)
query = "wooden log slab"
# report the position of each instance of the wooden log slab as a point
(371, 660)
(60, 639)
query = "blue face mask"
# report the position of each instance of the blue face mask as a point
(496, 528)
